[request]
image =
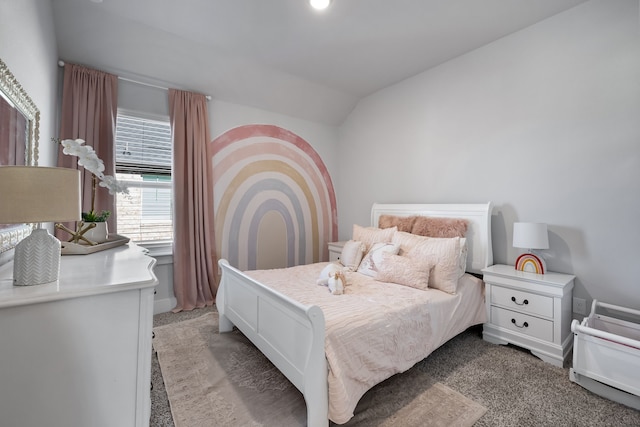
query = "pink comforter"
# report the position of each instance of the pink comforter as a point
(375, 329)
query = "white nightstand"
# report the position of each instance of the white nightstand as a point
(335, 250)
(529, 310)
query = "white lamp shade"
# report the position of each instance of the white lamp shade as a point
(530, 235)
(39, 194)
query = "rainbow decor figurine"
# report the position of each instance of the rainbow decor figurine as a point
(531, 236)
(531, 263)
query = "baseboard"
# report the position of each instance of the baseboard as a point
(163, 305)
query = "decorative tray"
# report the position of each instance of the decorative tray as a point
(114, 240)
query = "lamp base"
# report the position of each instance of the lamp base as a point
(36, 260)
(531, 263)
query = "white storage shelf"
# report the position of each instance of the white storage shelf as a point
(606, 353)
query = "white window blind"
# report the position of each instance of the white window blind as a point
(143, 162)
(143, 145)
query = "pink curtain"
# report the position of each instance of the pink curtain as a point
(89, 109)
(194, 257)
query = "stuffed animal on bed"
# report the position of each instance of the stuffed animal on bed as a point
(331, 275)
(337, 283)
(329, 271)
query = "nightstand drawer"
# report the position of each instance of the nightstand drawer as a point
(522, 323)
(335, 250)
(525, 302)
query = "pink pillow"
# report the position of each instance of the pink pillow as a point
(404, 223)
(445, 253)
(371, 235)
(439, 227)
(405, 271)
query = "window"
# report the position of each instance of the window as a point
(143, 162)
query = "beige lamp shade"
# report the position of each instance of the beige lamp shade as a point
(39, 194)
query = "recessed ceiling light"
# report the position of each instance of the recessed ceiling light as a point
(320, 4)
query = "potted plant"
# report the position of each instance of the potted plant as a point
(94, 226)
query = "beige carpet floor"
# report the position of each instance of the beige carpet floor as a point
(223, 380)
(517, 388)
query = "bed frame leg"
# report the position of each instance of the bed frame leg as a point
(225, 324)
(316, 417)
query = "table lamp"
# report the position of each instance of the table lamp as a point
(30, 194)
(530, 235)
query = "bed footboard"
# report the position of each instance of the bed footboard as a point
(289, 334)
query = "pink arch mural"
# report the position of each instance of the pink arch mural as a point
(274, 201)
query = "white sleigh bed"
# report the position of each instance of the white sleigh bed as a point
(293, 334)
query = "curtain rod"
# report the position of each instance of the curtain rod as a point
(61, 64)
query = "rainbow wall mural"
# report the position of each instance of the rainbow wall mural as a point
(274, 201)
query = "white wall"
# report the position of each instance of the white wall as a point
(545, 123)
(28, 47)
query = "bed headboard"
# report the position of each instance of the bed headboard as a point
(480, 252)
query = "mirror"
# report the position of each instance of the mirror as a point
(19, 133)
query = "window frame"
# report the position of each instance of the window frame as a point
(155, 247)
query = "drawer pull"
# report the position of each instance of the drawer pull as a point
(525, 302)
(524, 325)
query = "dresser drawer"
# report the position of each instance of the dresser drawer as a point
(522, 323)
(525, 302)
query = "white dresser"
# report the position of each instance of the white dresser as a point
(529, 310)
(77, 353)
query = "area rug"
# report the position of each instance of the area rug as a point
(223, 380)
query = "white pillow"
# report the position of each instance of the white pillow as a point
(372, 260)
(445, 253)
(352, 253)
(371, 235)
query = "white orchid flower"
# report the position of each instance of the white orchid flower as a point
(113, 185)
(88, 158)
(92, 163)
(72, 147)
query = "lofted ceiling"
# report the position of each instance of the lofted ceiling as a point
(282, 55)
